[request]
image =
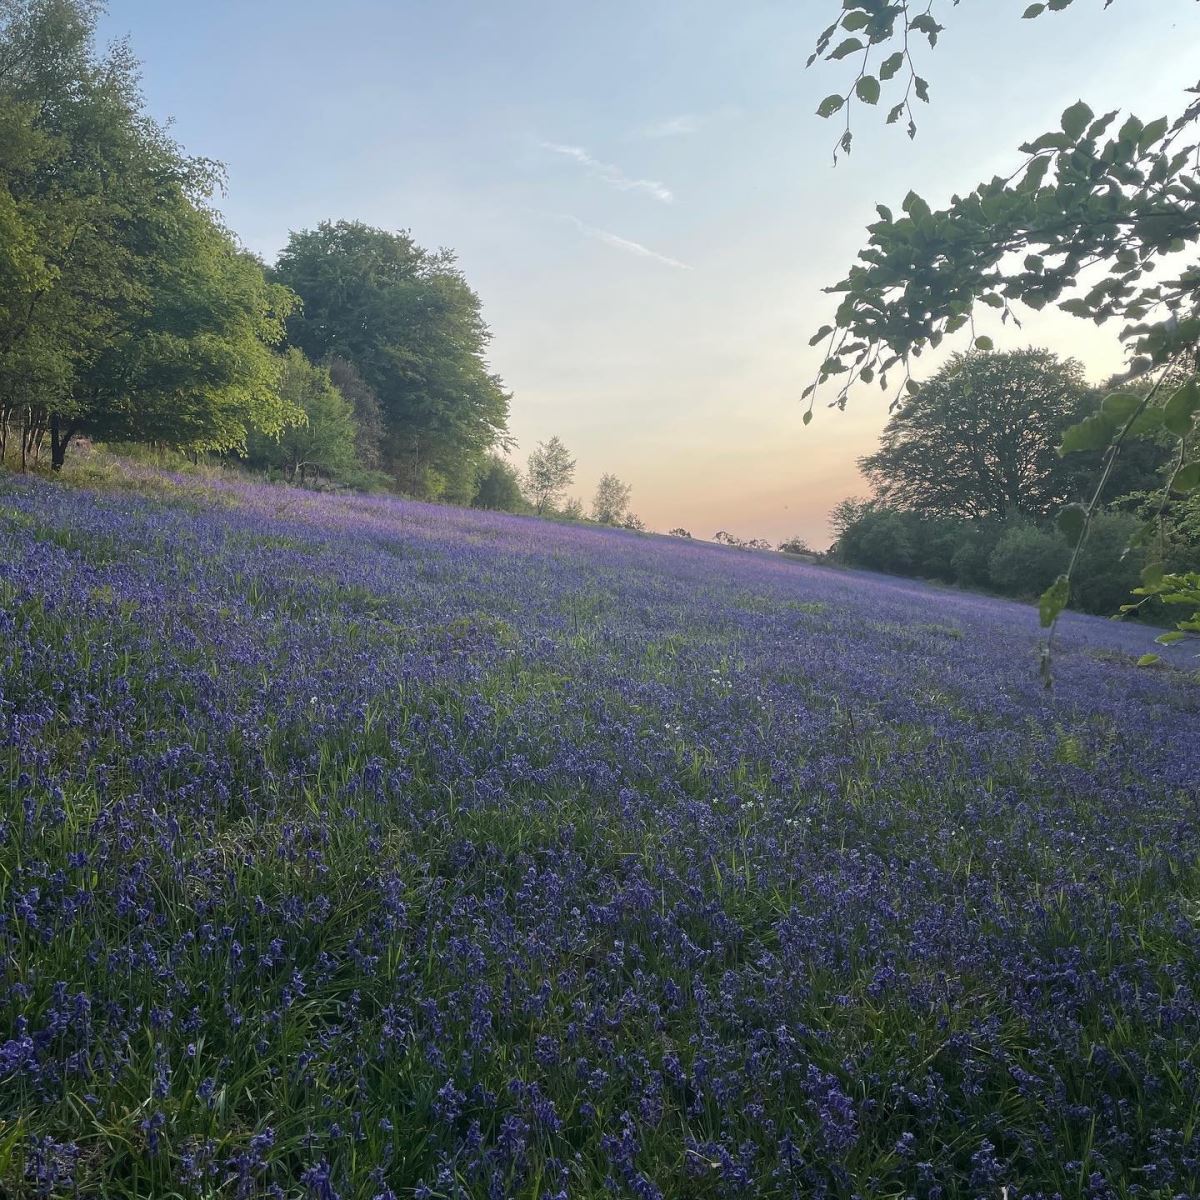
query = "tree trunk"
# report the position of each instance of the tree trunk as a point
(60, 438)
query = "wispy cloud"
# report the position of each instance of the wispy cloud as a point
(626, 244)
(609, 172)
(678, 126)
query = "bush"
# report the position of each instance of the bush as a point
(1027, 560)
(884, 542)
(499, 487)
(969, 563)
(1106, 573)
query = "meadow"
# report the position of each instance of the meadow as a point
(360, 848)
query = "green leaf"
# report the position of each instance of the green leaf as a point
(884, 212)
(1120, 406)
(916, 207)
(807, 415)
(1072, 520)
(1187, 478)
(891, 65)
(1054, 600)
(830, 105)
(1092, 433)
(820, 335)
(1181, 408)
(867, 89)
(1034, 10)
(1148, 421)
(1151, 133)
(1169, 639)
(1046, 141)
(1152, 574)
(1033, 180)
(1149, 660)
(1076, 119)
(845, 48)
(983, 342)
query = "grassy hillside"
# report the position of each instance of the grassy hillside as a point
(359, 848)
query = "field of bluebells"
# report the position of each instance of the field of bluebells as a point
(358, 848)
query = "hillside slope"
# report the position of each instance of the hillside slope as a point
(359, 848)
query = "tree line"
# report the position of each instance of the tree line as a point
(1098, 217)
(969, 479)
(542, 489)
(130, 313)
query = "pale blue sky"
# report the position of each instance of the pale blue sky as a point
(639, 191)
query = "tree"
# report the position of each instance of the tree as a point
(548, 474)
(1084, 222)
(368, 412)
(611, 500)
(322, 435)
(130, 310)
(678, 532)
(499, 486)
(413, 329)
(795, 545)
(981, 438)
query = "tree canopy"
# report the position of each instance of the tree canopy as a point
(321, 436)
(128, 310)
(981, 439)
(549, 472)
(611, 501)
(414, 330)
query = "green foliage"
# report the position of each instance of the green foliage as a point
(1097, 206)
(1027, 560)
(499, 487)
(1109, 566)
(129, 312)
(321, 437)
(1015, 556)
(549, 472)
(981, 437)
(875, 536)
(368, 412)
(1089, 215)
(413, 329)
(611, 501)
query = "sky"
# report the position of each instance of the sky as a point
(642, 195)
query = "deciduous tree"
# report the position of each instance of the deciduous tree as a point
(611, 500)
(321, 436)
(548, 474)
(413, 328)
(981, 438)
